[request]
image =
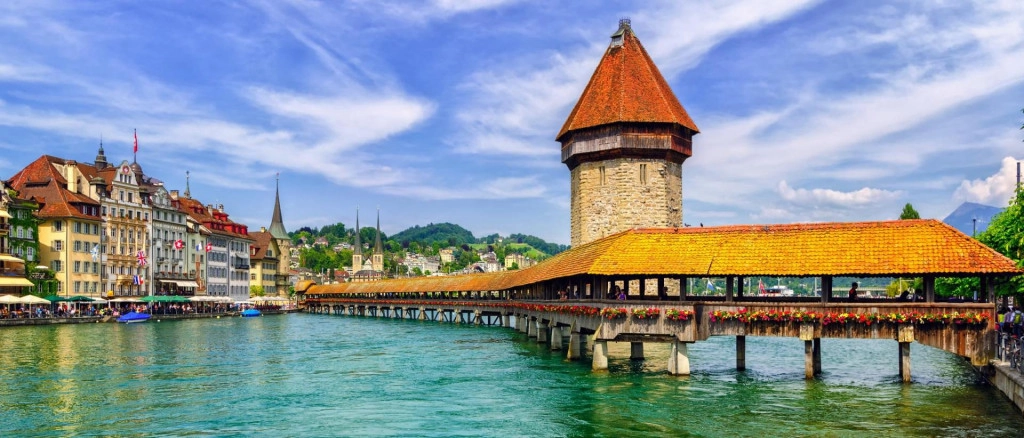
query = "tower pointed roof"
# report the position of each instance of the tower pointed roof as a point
(378, 248)
(276, 223)
(626, 87)
(359, 244)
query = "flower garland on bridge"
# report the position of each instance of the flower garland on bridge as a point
(613, 312)
(646, 313)
(673, 314)
(838, 318)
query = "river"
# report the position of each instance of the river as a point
(318, 375)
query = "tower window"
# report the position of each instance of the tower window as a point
(603, 180)
(643, 174)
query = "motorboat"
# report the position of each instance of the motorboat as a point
(248, 313)
(131, 317)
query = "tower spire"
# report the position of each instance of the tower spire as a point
(359, 244)
(276, 223)
(101, 158)
(188, 193)
(378, 248)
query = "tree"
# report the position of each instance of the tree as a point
(1006, 234)
(256, 291)
(909, 212)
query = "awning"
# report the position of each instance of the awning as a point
(10, 258)
(15, 281)
(5, 214)
(188, 284)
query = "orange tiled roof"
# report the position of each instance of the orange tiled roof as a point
(198, 212)
(889, 248)
(626, 87)
(41, 180)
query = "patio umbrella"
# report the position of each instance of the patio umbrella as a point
(55, 298)
(32, 299)
(9, 299)
(79, 299)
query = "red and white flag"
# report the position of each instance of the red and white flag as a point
(209, 247)
(178, 244)
(136, 148)
(760, 288)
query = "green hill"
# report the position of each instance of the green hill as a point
(445, 234)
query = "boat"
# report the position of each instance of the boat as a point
(250, 313)
(776, 291)
(131, 317)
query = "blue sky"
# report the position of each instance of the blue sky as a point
(446, 111)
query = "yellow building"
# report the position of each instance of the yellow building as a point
(265, 257)
(70, 222)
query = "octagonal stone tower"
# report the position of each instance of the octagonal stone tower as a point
(624, 143)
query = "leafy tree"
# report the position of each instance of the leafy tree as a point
(256, 291)
(1006, 234)
(417, 272)
(909, 212)
(515, 266)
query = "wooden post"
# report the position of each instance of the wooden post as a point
(728, 289)
(636, 351)
(817, 356)
(684, 288)
(643, 287)
(808, 359)
(929, 288)
(662, 294)
(741, 353)
(905, 362)
(739, 287)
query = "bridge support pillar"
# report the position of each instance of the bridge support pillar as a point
(600, 355)
(817, 356)
(556, 337)
(741, 353)
(531, 327)
(636, 351)
(574, 346)
(808, 359)
(477, 318)
(678, 360)
(440, 314)
(905, 362)
(542, 332)
(522, 324)
(506, 320)
(423, 314)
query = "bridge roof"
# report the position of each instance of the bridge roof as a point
(856, 249)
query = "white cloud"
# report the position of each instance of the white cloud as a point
(995, 190)
(829, 197)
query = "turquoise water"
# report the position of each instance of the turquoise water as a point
(318, 375)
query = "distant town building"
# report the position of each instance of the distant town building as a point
(518, 260)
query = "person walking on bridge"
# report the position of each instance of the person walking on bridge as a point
(853, 292)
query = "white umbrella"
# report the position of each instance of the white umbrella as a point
(32, 299)
(9, 299)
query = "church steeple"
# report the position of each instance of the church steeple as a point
(378, 249)
(357, 253)
(188, 193)
(276, 224)
(101, 158)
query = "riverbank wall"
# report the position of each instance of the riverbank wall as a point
(1007, 380)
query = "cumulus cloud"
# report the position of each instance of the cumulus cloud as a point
(995, 190)
(856, 198)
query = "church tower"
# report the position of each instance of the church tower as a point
(357, 252)
(624, 144)
(278, 232)
(378, 249)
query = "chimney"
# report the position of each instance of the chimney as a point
(220, 207)
(69, 174)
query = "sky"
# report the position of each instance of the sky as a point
(446, 110)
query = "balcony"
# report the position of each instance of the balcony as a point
(241, 266)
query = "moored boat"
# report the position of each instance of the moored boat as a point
(131, 317)
(250, 313)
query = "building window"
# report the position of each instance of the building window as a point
(31, 253)
(58, 245)
(78, 287)
(56, 266)
(58, 225)
(78, 267)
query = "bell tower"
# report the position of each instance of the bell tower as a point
(624, 144)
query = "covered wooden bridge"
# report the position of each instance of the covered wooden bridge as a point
(574, 293)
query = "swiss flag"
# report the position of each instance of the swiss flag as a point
(136, 149)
